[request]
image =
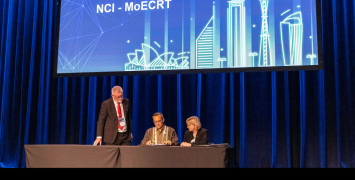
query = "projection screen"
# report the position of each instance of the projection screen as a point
(134, 37)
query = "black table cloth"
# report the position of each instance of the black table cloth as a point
(71, 156)
(87, 156)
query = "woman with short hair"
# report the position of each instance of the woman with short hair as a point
(195, 135)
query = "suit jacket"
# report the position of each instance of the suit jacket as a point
(201, 137)
(107, 125)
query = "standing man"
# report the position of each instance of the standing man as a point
(114, 126)
(160, 134)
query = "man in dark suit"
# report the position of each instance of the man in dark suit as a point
(114, 126)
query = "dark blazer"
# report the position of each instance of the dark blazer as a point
(107, 125)
(201, 137)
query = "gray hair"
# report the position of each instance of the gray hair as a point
(158, 113)
(117, 89)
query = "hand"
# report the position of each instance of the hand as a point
(185, 144)
(168, 143)
(98, 141)
(131, 137)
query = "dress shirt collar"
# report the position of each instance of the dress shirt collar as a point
(162, 129)
(116, 103)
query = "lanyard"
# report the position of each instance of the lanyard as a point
(165, 137)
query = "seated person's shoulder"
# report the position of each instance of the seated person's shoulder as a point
(170, 128)
(204, 130)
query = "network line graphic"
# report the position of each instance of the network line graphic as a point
(77, 43)
(71, 54)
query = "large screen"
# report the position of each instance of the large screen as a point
(129, 37)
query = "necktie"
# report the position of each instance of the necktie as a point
(119, 115)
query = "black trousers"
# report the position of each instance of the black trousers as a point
(122, 139)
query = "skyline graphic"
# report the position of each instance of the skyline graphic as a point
(138, 61)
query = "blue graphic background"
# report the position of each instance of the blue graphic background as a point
(91, 41)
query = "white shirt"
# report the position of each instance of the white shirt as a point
(124, 129)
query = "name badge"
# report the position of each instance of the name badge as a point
(122, 122)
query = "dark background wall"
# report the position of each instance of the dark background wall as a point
(272, 119)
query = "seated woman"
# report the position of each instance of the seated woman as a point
(195, 135)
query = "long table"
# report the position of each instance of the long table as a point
(88, 156)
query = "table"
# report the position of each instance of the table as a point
(88, 156)
(71, 156)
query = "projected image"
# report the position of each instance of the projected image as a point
(142, 35)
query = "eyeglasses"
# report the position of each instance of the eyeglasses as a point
(119, 97)
(156, 122)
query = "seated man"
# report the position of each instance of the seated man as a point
(160, 134)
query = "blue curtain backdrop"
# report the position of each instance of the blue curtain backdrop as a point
(294, 119)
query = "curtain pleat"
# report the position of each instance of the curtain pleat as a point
(296, 119)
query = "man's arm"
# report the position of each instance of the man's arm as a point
(146, 138)
(100, 124)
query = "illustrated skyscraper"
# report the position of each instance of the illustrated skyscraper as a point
(208, 42)
(236, 53)
(265, 58)
(292, 38)
(204, 47)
